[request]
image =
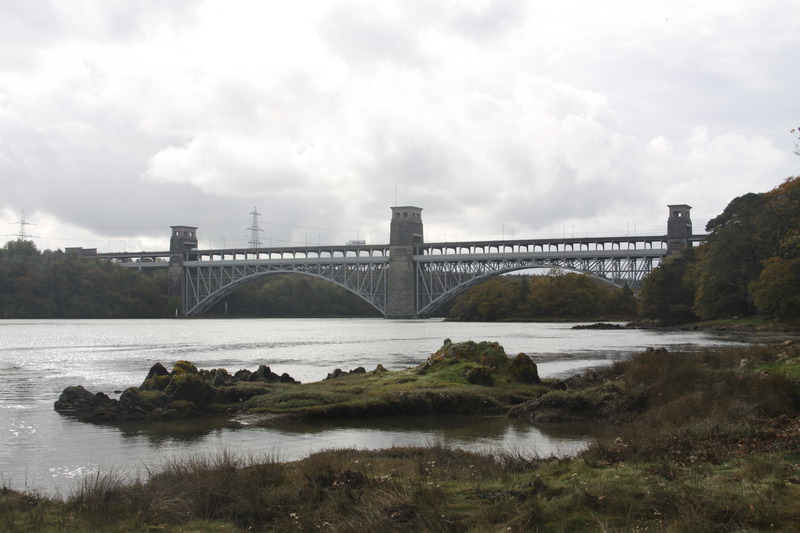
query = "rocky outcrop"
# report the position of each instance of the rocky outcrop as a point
(338, 373)
(165, 395)
(490, 358)
(599, 325)
(77, 401)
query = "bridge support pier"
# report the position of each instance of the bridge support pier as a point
(401, 290)
(183, 240)
(679, 228)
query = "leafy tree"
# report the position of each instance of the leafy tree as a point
(731, 259)
(668, 292)
(556, 295)
(752, 229)
(50, 284)
(777, 291)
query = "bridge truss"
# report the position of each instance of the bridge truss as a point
(207, 282)
(442, 270)
(439, 279)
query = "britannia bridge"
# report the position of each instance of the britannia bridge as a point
(407, 278)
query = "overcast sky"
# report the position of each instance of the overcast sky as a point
(501, 119)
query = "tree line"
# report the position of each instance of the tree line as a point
(558, 295)
(49, 284)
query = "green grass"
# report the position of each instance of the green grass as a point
(439, 386)
(427, 489)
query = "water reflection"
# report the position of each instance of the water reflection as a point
(186, 431)
(294, 439)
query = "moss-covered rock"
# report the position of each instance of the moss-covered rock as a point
(525, 370)
(191, 388)
(184, 367)
(479, 375)
(485, 353)
(157, 378)
(183, 392)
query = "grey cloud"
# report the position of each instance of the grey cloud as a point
(365, 37)
(488, 21)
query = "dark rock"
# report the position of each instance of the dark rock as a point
(338, 373)
(77, 401)
(481, 375)
(183, 392)
(242, 375)
(286, 378)
(599, 325)
(157, 370)
(191, 388)
(660, 350)
(525, 370)
(220, 378)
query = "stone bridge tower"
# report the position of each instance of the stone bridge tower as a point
(183, 239)
(679, 228)
(401, 290)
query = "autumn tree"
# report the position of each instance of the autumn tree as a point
(753, 229)
(668, 292)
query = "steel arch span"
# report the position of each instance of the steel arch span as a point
(438, 281)
(207, 283)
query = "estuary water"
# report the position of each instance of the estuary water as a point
(43, 451)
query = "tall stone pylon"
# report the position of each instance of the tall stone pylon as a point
(401, 290)
(182, 240)
(679, 228)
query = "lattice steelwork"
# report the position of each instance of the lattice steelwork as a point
(442, 269)
(441, 278)
(209, 281)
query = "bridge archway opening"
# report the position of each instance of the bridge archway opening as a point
(234, 286)
(449, 297)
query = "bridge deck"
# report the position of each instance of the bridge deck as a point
(470, 249)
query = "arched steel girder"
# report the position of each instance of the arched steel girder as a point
(439, 278)
(207, 282)
(440, 281)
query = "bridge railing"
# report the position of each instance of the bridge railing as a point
(645, 242)
(294, 252)
(160, 259)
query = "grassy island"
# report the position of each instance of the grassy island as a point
(460, 378)
(705, 441)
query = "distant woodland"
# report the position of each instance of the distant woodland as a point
(48, 284)
(558, 295)
(293, 295)
(749, 265)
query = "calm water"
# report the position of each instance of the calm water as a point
(42, 450)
